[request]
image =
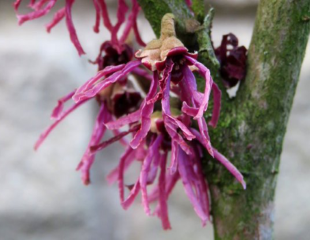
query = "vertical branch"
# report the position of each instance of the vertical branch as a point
(251, 133)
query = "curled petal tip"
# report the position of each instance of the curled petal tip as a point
(124, 206)
(212, 124)
(86, 182)
(148, 213)
(37, 145)
(134, 145)
(243, 183)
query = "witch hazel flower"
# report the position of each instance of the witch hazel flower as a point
(232, 60)
(160, 125)
(117, 98)
(153, 155)
(166, 127)
(41, 8)
(168, 55)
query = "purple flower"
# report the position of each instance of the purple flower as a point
(111, 55)
(161, 124)
(168, 129)
(43, 7)
(116, 98)
(232, 60)
(153, 154)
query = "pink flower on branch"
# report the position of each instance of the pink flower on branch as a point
(43, 7)
(169, 129)
(161, 123)
(116, 98)
(232, 60)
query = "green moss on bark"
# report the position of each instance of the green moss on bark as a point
(154, 10)
(199, 8)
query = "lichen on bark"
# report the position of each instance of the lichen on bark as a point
(252, 125)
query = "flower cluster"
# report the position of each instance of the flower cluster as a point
(232, 60)
(43, 7)
(162, 126)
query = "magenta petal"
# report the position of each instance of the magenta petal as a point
(190, 111)
(136, 8)
(146, 112)
(16, 5)
(92, 90)
(198, 97)
(121, 13)
(163, 82)
(136, 154)
(217, 94)
(145, 171)
(154, 168)
(169, 124)
(32, 3)
(132, 24)
(172, 131)
(121, 168)
(97, 23)
(137, 34)
(223, 160)
(38, 5)
(203, 128)
(189, 79)
(96, 148)
(201, 183)
(125, 161)
(97, 134)
(230, 167)
(162, 193)
(142, 73)
(58, 109)
(187, 133)
(35, 14)
(122, 141)
(203, 71)
(44, 135)
(133, 193)
(88, 84)
(58, 16)
(105, 15)
(171, 180)
(184, 168)
(71, 29)
(127, 28)
(130, 118)
(174, 156)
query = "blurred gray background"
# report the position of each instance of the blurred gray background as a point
(42, 197)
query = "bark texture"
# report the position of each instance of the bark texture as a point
(252, 125)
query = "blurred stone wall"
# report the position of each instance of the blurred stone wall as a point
(42, 197)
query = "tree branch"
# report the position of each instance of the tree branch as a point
(251, 134)
(252, 126)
